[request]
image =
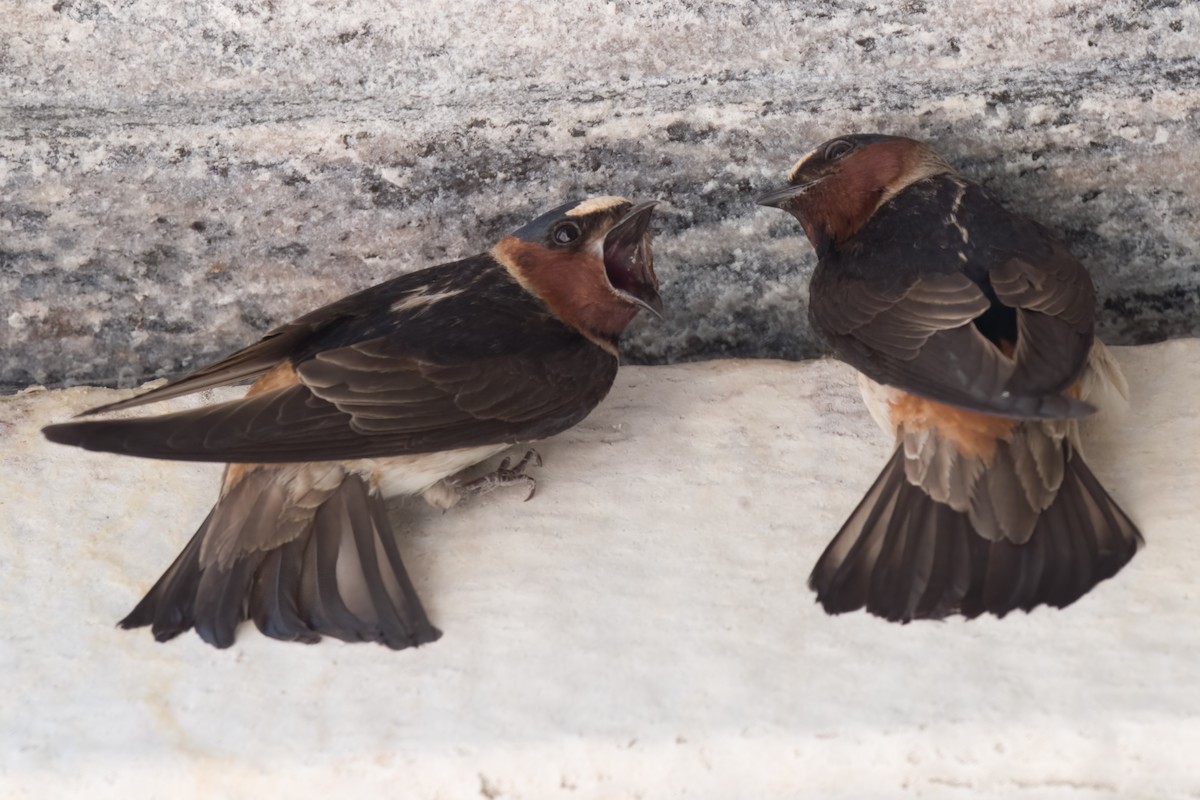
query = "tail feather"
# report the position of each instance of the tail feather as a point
(342, 576)
(220, 600)
(273, 596)
(405, 603)
(938, 586)
(168, 608)
(895, 583)
(1004, 570)
(856, 548)
(384, 595)
(327, 611)
(904, 556)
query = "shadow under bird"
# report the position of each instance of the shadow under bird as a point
(972, 329)
(390, 391)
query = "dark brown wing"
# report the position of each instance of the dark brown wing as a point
(998, 320)
(1055, 302)
(918, 337)
(345, 317)
(486, 364)
(409, 408)
(250, 362)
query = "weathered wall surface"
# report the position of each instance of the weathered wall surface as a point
(177, 177)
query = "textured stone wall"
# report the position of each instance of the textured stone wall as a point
(177, 176)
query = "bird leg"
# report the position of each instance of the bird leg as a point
(447, 493)
(507, 474)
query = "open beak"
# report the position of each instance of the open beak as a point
(777, 197)
(629, 261)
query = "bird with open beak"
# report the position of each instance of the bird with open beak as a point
(972, 329)
(390, 391)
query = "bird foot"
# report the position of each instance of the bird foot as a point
(506, 474)
(448, 492)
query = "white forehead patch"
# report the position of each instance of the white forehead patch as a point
(594, 204)
(803, 159)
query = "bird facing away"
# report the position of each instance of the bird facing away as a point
(390, 391)
(972, 330)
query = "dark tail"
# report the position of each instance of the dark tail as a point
(341, 576)
(904, 556)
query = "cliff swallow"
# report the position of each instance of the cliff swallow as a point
(390, 391)
(972, 329)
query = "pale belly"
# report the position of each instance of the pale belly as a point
(414, 474)
(309, 484)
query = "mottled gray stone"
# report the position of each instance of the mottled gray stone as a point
(177, 177)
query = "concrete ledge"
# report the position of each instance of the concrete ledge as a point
(640, 629)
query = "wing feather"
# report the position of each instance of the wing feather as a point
(374, 377)
(909, 313)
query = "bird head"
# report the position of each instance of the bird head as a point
(835, 189)
(590, 262)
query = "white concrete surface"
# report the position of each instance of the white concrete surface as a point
(640, 629)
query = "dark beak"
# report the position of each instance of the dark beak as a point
(778, 197)
(629, 261)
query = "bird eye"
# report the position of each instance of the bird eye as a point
(837, 149)
(565, 233)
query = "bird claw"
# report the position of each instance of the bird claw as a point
(506, 474)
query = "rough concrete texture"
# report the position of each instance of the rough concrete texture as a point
(641, 628)
(177, 177)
